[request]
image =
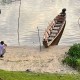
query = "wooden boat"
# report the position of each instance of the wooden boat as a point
(54, 31)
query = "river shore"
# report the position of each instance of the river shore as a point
(25, 58)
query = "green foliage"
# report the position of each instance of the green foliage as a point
(78, 64)
(73, 58)
(15, 75)
(74, 51)
(71, 61)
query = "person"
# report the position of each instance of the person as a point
(63, 12)
(2, 48)
(61, 15)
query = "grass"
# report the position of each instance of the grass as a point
(16, 75)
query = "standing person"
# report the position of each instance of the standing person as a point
(2, 48)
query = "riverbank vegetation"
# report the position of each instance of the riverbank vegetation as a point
(73, 57)
(16, 75)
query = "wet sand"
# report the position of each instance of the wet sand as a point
(47, 60)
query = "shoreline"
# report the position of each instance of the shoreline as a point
(22, 58)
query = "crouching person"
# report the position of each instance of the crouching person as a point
(2, 48)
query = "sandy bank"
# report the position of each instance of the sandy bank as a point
(23, 58)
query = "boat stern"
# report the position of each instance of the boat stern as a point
(45, 43)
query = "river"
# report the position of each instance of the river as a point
(37, 13)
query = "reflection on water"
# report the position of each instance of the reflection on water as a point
(6, 1)
(38, 13)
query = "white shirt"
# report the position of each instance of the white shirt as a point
(1, 49)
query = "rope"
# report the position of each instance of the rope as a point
(39, 38)
(19, 22)
(79, 22)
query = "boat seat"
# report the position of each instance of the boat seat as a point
(52, 35)
(58, 22)
(50, 38)
(54, 31)
(56, 28)
(58, 25)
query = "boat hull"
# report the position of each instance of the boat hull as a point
(56, 40)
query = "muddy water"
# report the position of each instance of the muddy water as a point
(37, 13)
